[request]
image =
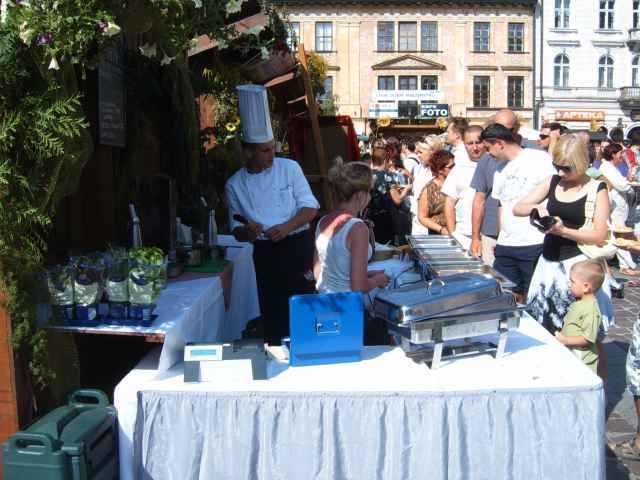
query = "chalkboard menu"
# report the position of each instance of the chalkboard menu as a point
(112, 97)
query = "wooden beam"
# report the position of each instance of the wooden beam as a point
(312, 106)
(9, 423)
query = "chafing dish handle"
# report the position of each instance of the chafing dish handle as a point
(432, 283)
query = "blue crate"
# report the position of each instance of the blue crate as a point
(326, 328)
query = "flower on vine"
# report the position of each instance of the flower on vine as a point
(255, 30)
(234, 6)
(25, 33)
(111, 29)
(166, 60)
(264, 53)
(53, 65)
(148, 51)
(236, 121)
(231, 127)
(44, 38)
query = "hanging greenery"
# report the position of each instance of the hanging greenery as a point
(46, 47)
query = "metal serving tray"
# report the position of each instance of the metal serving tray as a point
(456, 327)
(447, 270)
(432, 241)
(425, 300)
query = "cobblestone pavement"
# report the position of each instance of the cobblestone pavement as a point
(621, 417)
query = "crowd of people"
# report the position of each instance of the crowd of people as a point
(535, 210)
(540, 212)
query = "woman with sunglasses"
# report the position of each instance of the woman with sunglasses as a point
(431, 202)
(565, 195)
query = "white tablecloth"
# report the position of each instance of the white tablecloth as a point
(193, 310)
(536, 413)
(244, 305)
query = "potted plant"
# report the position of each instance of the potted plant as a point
(88, 286)
(147, 276)
(117, 282)
(59, 281)
(269, 54)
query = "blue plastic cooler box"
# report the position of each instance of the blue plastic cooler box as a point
(326, 328)
(75, 442)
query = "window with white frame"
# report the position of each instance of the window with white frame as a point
(635, 65)
(515, 92)
(606, 14)
(429, 36)
(481, 91)
(324, 36)
(407, 82)
(481, 36)
(561, 71)
(385, 36)
(429, 82)
(386, 82)
(562, 10)
(515, 37)
(605, 72)
(293, 35)
(636, 13)
(407, 36)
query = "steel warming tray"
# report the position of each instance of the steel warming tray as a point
(460, 306)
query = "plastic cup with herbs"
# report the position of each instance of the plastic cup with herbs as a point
(59, 280)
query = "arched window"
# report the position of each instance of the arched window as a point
(561, 71)
(605, 72)
(635, 79)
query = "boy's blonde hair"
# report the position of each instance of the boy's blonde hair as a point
(591, 272)
(571, 150)
(347, 179)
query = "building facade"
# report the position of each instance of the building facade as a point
(418, 61)
(587, 63)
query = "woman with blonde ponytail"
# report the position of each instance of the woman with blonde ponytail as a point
(342, 238)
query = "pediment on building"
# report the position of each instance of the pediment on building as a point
(408, 62)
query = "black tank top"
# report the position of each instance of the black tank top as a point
(557, 248)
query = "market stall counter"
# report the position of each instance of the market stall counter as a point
(536, 412)
(192, 309)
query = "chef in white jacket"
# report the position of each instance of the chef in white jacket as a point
(271, 204)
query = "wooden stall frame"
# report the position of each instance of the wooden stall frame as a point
(312, 107)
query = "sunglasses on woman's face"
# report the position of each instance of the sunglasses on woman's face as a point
(450, 166)
(543, 136)
(562, 168)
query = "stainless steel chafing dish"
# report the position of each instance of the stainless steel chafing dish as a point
(424, 316)
(440, 256)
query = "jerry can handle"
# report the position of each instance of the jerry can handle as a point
(21, 441)
(89, 397)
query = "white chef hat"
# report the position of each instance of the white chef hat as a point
(254, 113)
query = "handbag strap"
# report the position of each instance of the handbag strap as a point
(590, 204)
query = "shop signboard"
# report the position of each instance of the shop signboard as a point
(579, 115)
(383, 109)
(434, 110)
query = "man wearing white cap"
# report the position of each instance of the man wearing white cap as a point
(271, 204)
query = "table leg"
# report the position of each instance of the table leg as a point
(437, 355)
(502, 343)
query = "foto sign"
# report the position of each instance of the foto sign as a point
(434, 110)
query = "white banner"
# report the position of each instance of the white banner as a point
(406, 95)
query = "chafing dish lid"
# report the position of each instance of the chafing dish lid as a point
(440, 295)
